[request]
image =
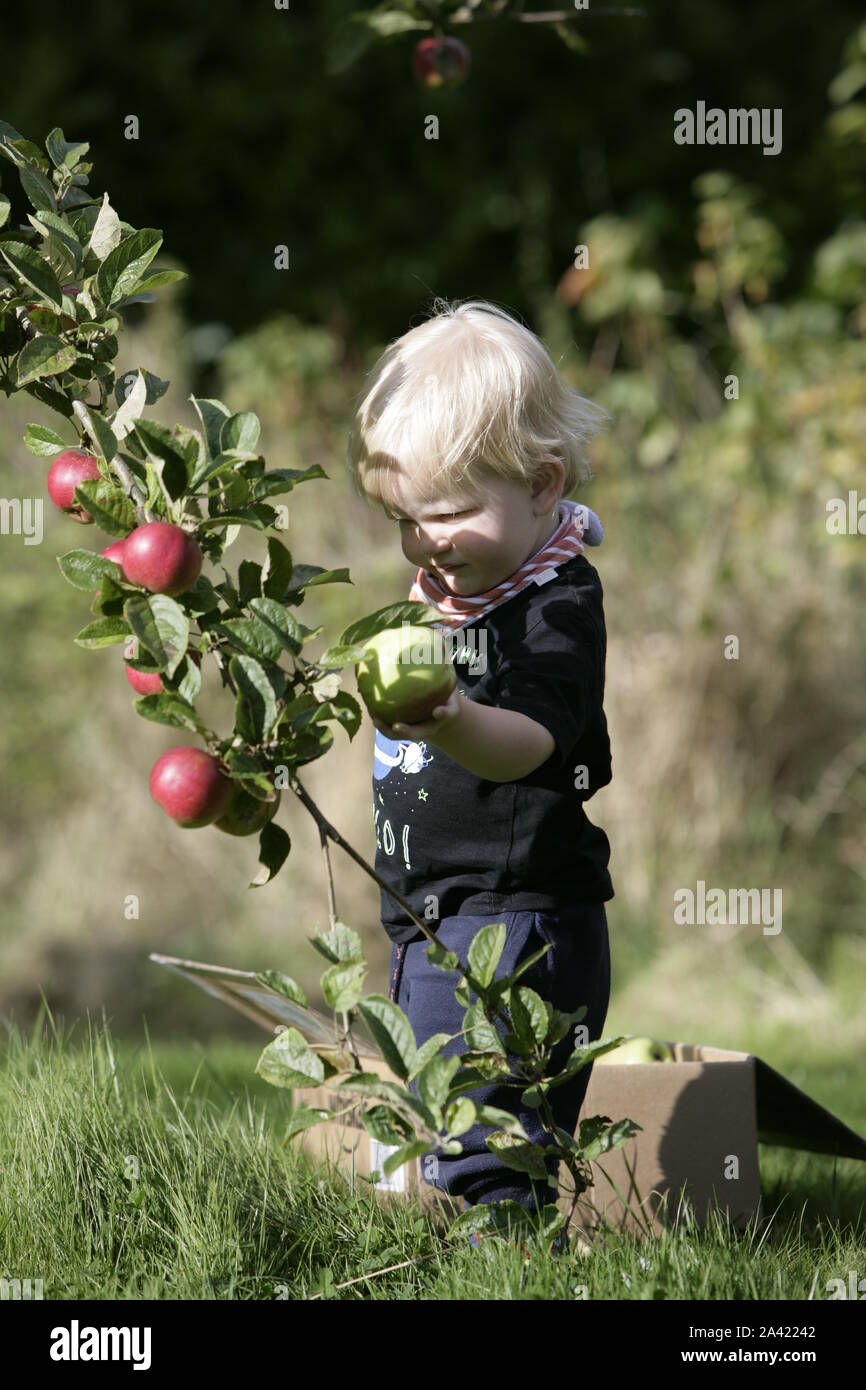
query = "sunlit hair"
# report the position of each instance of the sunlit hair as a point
(467, 394)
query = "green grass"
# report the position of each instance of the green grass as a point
(222, 1208)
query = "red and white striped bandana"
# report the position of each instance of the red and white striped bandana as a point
(579, 526)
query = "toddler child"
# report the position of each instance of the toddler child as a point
(468, 437)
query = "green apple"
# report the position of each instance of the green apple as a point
(637, 1050)
(400, 678)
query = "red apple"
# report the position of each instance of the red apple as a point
(190, 786)
(150, 682)
(114, 552)
(441, 62)
(245, 814)
(162, 558)
(71, 467)
(144, 682)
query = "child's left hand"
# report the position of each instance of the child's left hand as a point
(443, 716)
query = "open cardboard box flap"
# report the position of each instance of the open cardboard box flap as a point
(694, 1115)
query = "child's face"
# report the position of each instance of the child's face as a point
(485, 537)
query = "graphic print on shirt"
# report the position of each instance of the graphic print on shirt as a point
(403, 758)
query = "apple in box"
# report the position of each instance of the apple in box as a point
(637, 1050)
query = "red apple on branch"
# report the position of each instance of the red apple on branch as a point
(114, 552)
(71, 467)
(441, 62)
(150, 682)
(190, 786)
(161, 557)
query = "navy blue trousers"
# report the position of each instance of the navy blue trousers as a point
(575, 971)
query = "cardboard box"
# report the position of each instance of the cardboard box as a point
(701, 1116)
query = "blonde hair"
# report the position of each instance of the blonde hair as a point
(468, 393)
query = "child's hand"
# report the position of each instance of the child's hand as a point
(443, 716)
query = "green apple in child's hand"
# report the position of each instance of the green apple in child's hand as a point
(400, 680)
(637, 1050)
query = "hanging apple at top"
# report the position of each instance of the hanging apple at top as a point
(441, 62)
(71, 467)
(161, 557)
(399, 679)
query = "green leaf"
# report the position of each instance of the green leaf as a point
(392, 616)
(256, 711)
(83, 569)
(537, 1011)
(213, 415)
(175, 461)
(429, 1048)
(102, 435)
(365, 1084)
(333, 658)
(485, 951)
(109, 506)
(442, 959)
(434, 1080)
(45, 356)
(248, 769)
(122, 267)
(253, 637)
(289, 1062)
(43, 442)
(598, 1136)
(480, 1034)
(392, 1031)
(529, 962)
(212, 468)
(154, 386)
(341, 986)
(414, 1149)
(306, 576)
(169, 707)
(34, 271)
(283, 984)
(280, 480)
(155, 279)
(502, 1119)
(260, 516)
(186, 680)
(340, 944)
(281, 623)
(240, 431)
(303, 1117)
(37, 188)
(518, 1153)
(5, 206)
(274, 847)
(249, 581)
(342, 707)
(106, 232)
(104, 633)
(161, 627)
(60, 237)
(460, 1116)
(63, 152)
(386, 1125)
(277, 573)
